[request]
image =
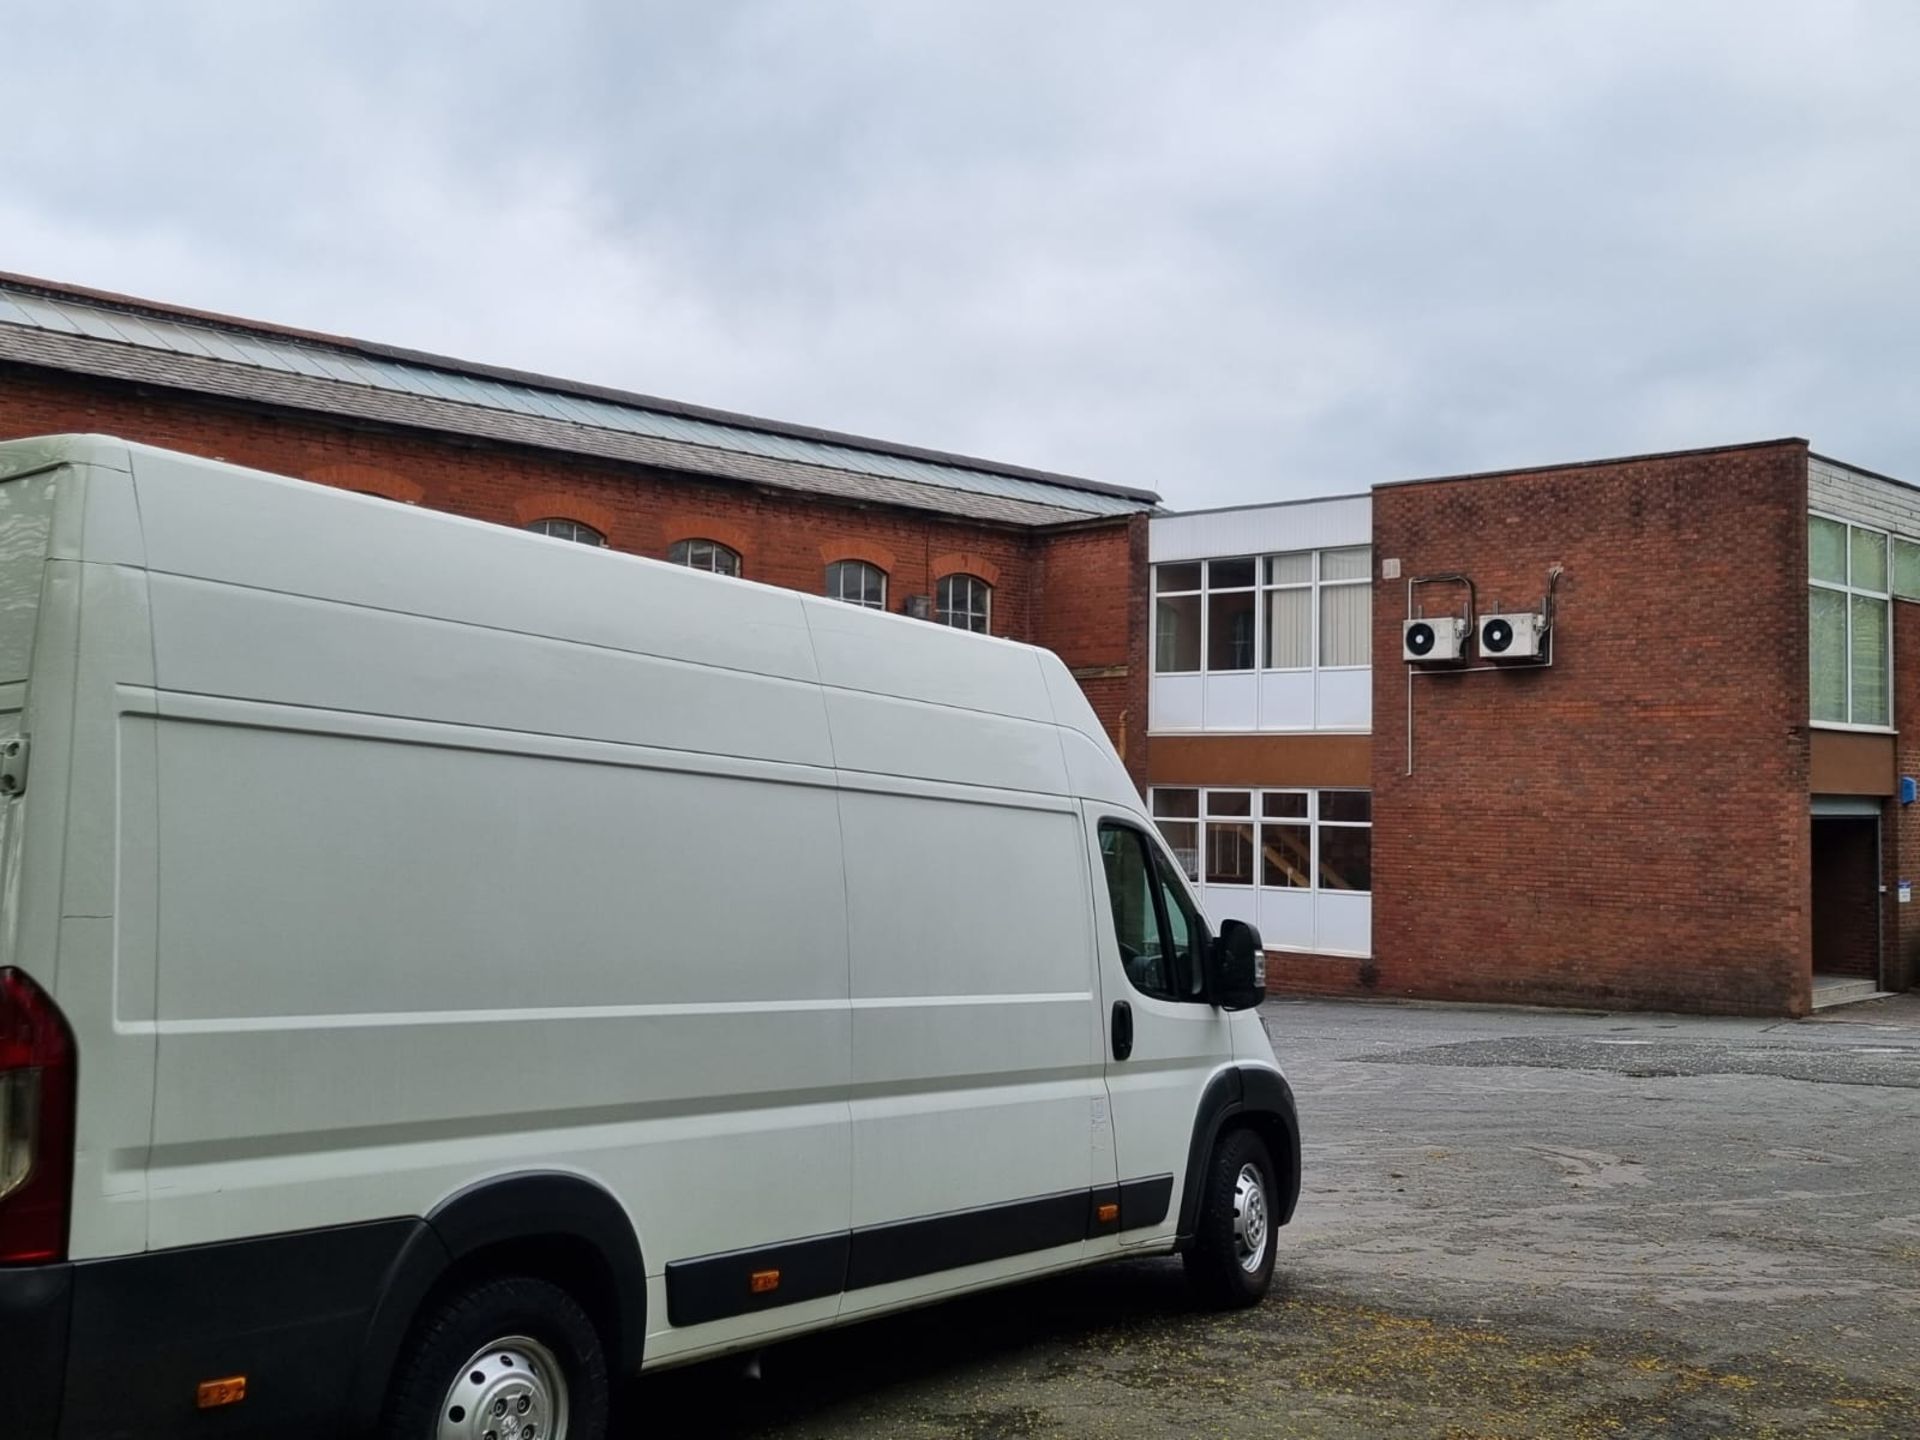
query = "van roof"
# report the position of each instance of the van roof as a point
(220, 523)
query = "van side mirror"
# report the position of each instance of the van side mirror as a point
(1236, 967)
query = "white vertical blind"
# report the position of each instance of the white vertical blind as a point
(1346, 625)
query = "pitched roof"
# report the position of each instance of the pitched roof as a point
(117, 337)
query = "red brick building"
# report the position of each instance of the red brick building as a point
(1049, 559)
(1690, 800)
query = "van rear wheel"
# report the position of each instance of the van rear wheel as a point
(507, 1359)
(1231, 1260)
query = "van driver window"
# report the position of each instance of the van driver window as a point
(1189, 934)
(1131, 883)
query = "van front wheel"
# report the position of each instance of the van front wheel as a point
(1231, 1260)
(506, 1359)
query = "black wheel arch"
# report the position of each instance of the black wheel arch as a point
(562, 1226)
(1254, 1098)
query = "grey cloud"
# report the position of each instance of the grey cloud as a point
(1231, 251)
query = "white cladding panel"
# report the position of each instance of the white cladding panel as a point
(1262, 529)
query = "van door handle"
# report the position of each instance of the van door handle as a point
(1122, 1030)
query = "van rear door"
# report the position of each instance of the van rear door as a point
(1164, 1041)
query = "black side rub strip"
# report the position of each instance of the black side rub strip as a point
(716, 1287)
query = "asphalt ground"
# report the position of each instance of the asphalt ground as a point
(1514, 1224)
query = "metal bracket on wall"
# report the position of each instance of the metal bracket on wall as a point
(1547, 607)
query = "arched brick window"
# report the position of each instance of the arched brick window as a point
(964, 602)
(857, 583)
(561, 528)
(705, 555)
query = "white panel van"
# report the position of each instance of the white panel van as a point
(445, 970)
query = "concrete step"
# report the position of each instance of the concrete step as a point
(1832, 990)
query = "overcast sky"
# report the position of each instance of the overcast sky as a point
(1228, 251)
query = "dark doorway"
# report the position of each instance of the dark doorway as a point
(1846, 896)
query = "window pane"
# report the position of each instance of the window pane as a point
(1136, 923)
(857, 583)
(1184, 942)
(1289, 629)
(1229, 852)
(1181, 804)
(1346, 857)
(704, 555)
(1869, 661)
(1284, 804)
(1346, 625)
(561, 529)
(1229, 574)
(1230, 631)
(1177, 634)
(1869, 560)
(1294, 569)
(1229, 802)
(1176, 577)
(1906, 569)
(1353, 563)
(1183, 838)
(1284, 856)
(1827, 550)
(1346, 805)
(962, 602)
(1827, 649)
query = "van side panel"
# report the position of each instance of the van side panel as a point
(977, 1067)
(441, 951)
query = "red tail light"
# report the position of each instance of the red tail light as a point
(37, 1064)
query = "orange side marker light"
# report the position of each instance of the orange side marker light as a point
(1108, 1213)
(228, 1390)
(763, 1282)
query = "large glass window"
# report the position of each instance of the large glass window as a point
(1177, 813)
(1176, 618)
(857, 583)
(561, 528)
(1849, 621)
(705, 555)
(1278, 839)
(1293, 611)
(964, 602)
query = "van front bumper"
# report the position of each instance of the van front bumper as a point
(35, 1304)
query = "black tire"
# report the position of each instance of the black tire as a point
(1223, 1275)
(454, 1333)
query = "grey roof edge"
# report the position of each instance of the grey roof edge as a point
(1862, 470)
(137, 365)
(1266, 504)
(57, 290)
(1599, 464)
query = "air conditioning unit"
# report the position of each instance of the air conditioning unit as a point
(1513, 637)
(1436, 641)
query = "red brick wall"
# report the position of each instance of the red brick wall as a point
(1091, 609)
(1628, 828)
(1094, 575)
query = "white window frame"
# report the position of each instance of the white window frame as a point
(1204, 813)
(836, 577)
(977, 590)
(1849, 590)
(1317, 583)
